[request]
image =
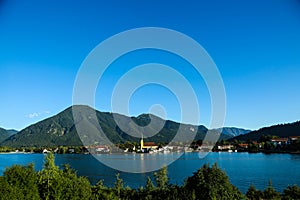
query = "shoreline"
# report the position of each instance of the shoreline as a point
(126, 153)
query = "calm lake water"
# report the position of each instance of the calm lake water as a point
(243, 169)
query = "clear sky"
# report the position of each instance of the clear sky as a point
(254, 43)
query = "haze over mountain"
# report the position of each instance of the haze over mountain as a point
(4, 134)
(233, 131)
(281, 130)
(60, 130)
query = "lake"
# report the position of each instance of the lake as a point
(243, 169)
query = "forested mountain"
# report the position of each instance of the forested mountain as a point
(4, 134)
(233, 132)
(281, 130)
(60, 130)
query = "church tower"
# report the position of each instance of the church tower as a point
(142, 143)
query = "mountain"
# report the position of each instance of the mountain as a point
(4, 134)
(60, 130)
(281, 130)
(233, 132)
(12, 132)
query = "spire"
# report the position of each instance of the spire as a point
(142, 142)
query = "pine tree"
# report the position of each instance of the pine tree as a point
(161, 178)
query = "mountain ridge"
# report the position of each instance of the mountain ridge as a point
(60, 129)
(4, 133)
(279, 130)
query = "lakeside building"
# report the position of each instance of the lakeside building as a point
(279, 141)
(243, 145)
(147, 146)
(99, 149)
(225, 147)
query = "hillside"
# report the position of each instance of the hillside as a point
(281, 130)
(60, 130)
(4, 134)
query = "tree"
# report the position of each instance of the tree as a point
(119, 185)
(48, 178)
(253, 147)
(9, 191)
(61, 184)
(149, 185)
(253, 193)
(291, 192)
(211, 183)
(19, 182)
(161, 178)
(270, 192)
(72, 186)
(99, 191)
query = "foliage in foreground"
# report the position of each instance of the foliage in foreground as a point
(23, 182)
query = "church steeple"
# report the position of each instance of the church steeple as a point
(142, 142)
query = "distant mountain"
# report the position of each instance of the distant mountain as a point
(4, 134)
(12, 132)
(281, 130)
(233, 132)
(60, 130)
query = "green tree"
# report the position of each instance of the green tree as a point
(48, 178)
(149, 185)
(291, 192)
(119, 185)
(253, 193)
(270, 192)
(99, 191)
(73, 187)
(211, 183)
(161, 178)
(8, 191)
(61, 184)
(19, 182)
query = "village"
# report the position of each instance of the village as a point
(266, 144)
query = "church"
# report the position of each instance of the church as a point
(146, 146)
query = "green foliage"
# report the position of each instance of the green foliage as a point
(161, 178)
(253, 148)
(23, 182)
(270, 193)
(9, 191)
(253, 193)
(295, 146)
(61, 184)
(19, 182)
(212, 183)
(119, 185)
(6, 149)
(291, 192)
(149, 185)
(99, 191)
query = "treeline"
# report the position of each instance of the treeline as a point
(263, 144)
(23, 182)
(57, 150)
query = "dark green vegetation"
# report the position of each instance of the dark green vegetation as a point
(60, 130)
(281, 130)
(4, 134)
(23, 182)
(282, 138)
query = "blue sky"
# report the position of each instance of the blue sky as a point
(255, 44)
